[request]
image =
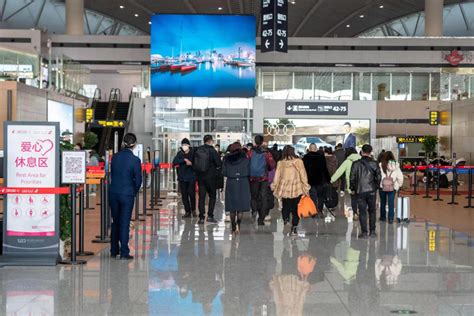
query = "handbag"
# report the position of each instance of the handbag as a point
(306, 207)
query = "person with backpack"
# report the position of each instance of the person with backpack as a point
(392, 181)
(318, 175)
(186, 178)
(237, 188)
(345, 169)
(290, 184)
(365, 181)
(261, 163)
(206, 164)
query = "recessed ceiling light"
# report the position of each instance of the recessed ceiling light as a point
(136, 15)
(293, 2)
(149, 22)
(121, 7)
(361, 16)
(219, 8)
(348, 25)
(381, 6)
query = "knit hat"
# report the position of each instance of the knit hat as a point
(185, 141)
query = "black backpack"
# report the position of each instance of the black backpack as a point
(202, 160)
(331, 198)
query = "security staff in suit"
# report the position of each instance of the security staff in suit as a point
(126, 180)
(349, 138)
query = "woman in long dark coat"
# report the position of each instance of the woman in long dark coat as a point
(237, 189)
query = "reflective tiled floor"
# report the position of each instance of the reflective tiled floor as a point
(182, 268)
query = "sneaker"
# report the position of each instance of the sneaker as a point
(382, 219)
(294, 231)
(227, 219)
(268, 218)
(261, 223)
(373, 234)
(211, 220)
(187, 215)
(201, 221)
(363, 236)
(342, 193)
(127, 257)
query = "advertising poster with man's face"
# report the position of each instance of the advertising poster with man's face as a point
(323, 132)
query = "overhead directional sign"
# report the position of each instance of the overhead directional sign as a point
(316, 108)
(281, 23)
(268, 26)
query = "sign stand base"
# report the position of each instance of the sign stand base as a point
(73, 263)
(28, 260)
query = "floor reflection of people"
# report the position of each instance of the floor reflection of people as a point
(247, 274)
(186, 259)
(119, 289)
(364, 296)
(388, 265)
(207, 280)
(291, 286)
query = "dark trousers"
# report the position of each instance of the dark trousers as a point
(207, 187)
(366, 204)
(317, 195)
(384, 198)
(121, 207)
(188, 195)
(258, 190)
(290, 206)
(354, 200)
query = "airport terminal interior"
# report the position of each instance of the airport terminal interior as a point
(222, 157)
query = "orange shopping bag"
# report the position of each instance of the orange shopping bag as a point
(306, 207)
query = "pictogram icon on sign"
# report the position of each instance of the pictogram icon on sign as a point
(30, 212)
(16, 212)
(31, 200)
(45, 200)
(45, 213)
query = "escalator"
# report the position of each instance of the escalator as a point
(109, 118)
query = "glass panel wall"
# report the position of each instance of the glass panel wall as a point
(367, 85)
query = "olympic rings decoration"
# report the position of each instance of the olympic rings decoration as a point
(279, 129)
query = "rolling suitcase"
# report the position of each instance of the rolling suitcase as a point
(403, 209)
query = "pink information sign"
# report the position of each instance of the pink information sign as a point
(31, 162)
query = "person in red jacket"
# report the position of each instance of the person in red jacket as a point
(261, 163)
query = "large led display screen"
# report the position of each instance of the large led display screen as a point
(203, 55)
(323, 132)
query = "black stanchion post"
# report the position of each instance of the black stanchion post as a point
(438, 193)
(469, 193)
(415, 181)
(427, 184)
(453, 188)
(103, 214)
(158, 185)
(73, 260)
(87, 194)
(81, 251)
(137, 208)
(108, 213)
(152, 188)
(144, 195)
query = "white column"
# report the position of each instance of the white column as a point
(434, 17)
(75, 17)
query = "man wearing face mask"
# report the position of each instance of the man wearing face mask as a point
(126, 180)
(206, 164)
(186, 178)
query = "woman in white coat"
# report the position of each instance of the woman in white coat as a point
(392, 181)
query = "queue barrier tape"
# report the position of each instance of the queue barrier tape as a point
(165, 165)
(54, 190)
(147, 167)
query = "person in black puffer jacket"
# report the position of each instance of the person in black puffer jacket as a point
(186, 178)
(318, 175)
(237, 189)
(365, 181)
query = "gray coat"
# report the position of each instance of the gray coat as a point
(237, 188)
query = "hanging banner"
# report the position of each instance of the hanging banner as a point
(281, 26)
(73, 167)
(268, 26)
(31, 221)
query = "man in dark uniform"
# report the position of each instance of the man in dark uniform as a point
(126, 180)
